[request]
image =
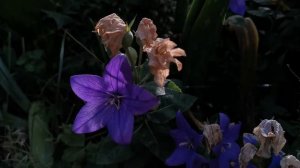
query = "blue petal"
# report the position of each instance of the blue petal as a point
(139, 100)
(117, 73)
(230, 154)
(92, 117)
(275, 163)
(179, 136)
(196, 161)
(224, 121)
(120, 126)
(250, 138)
(179, 157)
(232, 133)
(88, 87)
(238, 6)
(184, 125)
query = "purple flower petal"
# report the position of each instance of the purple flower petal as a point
(224, 121)
(230, 154)
(117, 73)
(184, 126)
(120, 126)
(232, 133)
(179, 156)
(238, 6)
(88, 87)
(92, 117)
(196, 161)
(139, 100)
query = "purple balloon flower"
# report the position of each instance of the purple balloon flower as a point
(187, 140)
(237, 7)
(228, 150)
(111, 101)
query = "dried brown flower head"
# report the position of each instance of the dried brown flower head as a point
(289, 161)
(270, 135)
(112, 29)
(162, 53)
(146, 33)
(247, 153)
(213, 134)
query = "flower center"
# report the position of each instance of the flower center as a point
(115, 100)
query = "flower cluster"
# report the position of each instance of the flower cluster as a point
(114, 100)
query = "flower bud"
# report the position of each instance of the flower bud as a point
(213, 134)
(247, 153)
(127, 39)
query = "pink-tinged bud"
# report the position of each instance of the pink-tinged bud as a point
(270, 135)
(247, 153)
(290, 161)
(213, 134)
(162, 53)
(146, 34)
(112, 29)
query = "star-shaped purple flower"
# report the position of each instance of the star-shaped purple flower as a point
(111, 101)
(237, 7)
(187, 141)
(228, 150)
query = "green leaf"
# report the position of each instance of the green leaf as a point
(71, 139)
(73, 154)
(108, 152)
(170, 103)
(41, 145)
(12, 88)
(172, 85)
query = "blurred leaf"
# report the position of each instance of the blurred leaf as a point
(12, 120)
(181, 12)
(71, 139)
(108, 152)
(60, 19)
(192, 14)
(172, 85)
(41, 145)
(203, 39)
(12, 88)
(73, 154)
(33, 61)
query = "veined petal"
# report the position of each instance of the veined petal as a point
(138, 100)
(88, 87)
(92, 117)
(120, 126)
(179, 156)
(117, 73)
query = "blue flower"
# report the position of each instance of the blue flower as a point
(228, 150)
(237, 7)
(111, 101)
(187, 141)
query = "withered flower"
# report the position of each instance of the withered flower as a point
(213, 134)
(146, 33)
(270, 135)
(247, 153)
(290, 161)
(161, 55)
(112, 29)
